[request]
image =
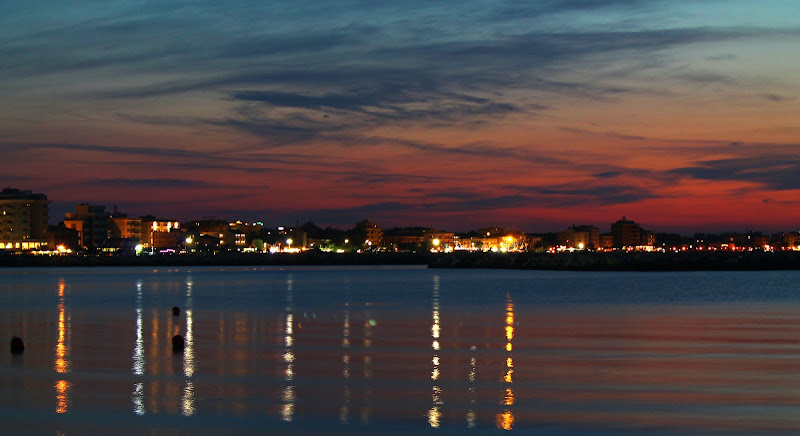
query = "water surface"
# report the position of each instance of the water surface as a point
(394, 350)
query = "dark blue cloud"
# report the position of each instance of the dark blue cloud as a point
(772, 172)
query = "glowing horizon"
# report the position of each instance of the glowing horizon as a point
(680, 115)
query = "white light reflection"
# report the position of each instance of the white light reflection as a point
(138, 350)
(187, 400)
(137, 397)
(471, 415)
(287, 411)
(288, 398)
(62, 363)
(434, 413)
(344, 410)
(366, 409)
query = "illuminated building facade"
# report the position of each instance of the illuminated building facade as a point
(792, 239)
(123, 227)
(373, 235)
(579, 237)
(245, 232)
(23, 220)
(626, 233)
(218, 229)
(438, 240)
(91, 223)
(160, 234)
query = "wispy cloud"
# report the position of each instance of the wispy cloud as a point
(778, 173)
(364, 95)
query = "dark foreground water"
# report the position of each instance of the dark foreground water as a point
(399, 350)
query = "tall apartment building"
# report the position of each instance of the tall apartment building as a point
(91, 222)
(373, 235)
(23, 220)
(626, 233)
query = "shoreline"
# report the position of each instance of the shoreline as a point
(626, 261)
(576, 261)
(221, 259)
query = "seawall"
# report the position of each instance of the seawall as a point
(626, 261)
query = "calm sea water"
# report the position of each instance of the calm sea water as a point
(399, 350)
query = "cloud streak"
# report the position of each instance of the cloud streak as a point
(405, 108)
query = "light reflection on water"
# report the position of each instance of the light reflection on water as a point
(187, 400)
(441, 353)
(62, 364)
(505, 419)
(288, 397)
(434, 413)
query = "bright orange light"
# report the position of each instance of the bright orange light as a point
(61, 396)
(509, 398)
(505, 420)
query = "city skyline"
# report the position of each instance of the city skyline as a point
(680, 115)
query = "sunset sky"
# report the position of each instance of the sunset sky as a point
(681, 115)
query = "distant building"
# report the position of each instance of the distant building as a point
(580, 237)
(23, 220)
(746, 240)
(160, 234)
(606, 240)
(61, 237)
(282, 236)
(123, 227)
(791, 239)
(245, 233)
(439, 240)
(647, 238)
(372, 234)
(403, 242)
(626, 233)
(535, 242)
(173, 240)
(759, 241)
(91, 222)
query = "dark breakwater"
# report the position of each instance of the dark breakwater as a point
(575, 261)
(626, 261)
(221, 259)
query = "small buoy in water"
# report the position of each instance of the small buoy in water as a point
(176, 311)
(17, 345)
(177, 343)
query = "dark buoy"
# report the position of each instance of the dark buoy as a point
(177, 343)
(17, 345)
(176, 311)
